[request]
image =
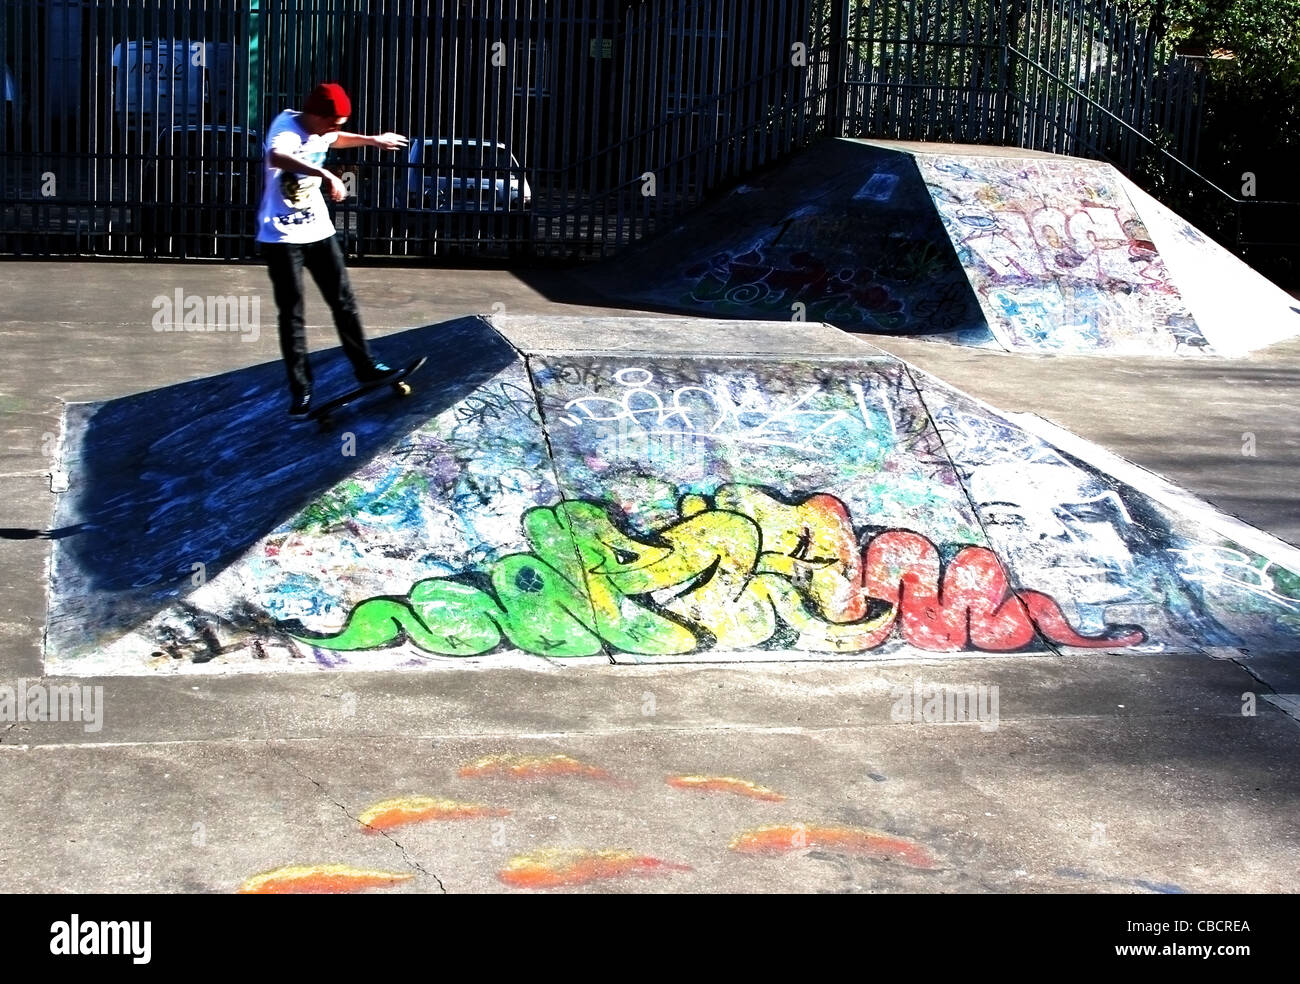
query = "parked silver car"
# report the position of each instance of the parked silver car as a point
(455, 175)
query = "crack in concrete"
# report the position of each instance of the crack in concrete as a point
(1244, 663)
(406, 857)
(550, 457)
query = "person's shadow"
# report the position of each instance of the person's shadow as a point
(170, 486)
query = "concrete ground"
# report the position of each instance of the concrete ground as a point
(1104, 773)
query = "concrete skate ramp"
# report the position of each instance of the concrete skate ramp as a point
(994, 247)
(540, 500)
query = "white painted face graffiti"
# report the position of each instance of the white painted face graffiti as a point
(1072, 533)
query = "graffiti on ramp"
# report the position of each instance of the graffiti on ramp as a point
(652, 507)
(743, 570)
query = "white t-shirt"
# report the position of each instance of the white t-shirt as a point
(293, 208)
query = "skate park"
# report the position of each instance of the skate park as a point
(716, 506)
(908, 513)
(311, 741)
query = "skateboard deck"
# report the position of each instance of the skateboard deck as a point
(397, 381)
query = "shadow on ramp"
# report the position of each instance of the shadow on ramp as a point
(170, 486)
(844, 233)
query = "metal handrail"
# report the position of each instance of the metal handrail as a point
(1142, 136)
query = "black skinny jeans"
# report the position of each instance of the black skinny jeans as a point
(324, 260)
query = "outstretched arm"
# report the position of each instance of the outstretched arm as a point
(384, 141)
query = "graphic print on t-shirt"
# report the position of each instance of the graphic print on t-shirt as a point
(296, 190)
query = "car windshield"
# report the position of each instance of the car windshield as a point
(468, 156)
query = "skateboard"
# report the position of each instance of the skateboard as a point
(397, 381)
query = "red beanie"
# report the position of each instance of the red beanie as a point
(328, 99)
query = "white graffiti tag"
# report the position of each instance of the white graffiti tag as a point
(1219, 565)
(725, 411)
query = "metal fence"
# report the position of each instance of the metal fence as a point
(926, 70)
(1055, 75)
(551, 127)
(1091, 82)
(1089, 78)
(557, 126)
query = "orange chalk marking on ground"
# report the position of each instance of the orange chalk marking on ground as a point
(557, 867)
(319, 879)
(414, 809)
(726, 784)
(530, 767)
(849, 840)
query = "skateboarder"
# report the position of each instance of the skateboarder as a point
(296, 231)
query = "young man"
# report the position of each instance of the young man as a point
(296, 231)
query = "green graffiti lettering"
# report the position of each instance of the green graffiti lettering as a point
(743, 570)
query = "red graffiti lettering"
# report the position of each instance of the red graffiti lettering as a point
(968, 604)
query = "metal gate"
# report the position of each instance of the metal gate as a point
(561, 127)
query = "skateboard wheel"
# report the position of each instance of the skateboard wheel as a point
(403, 389)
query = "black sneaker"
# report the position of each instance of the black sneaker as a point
(376, 373)
(301, 406)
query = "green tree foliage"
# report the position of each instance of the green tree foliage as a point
(1263, 36)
